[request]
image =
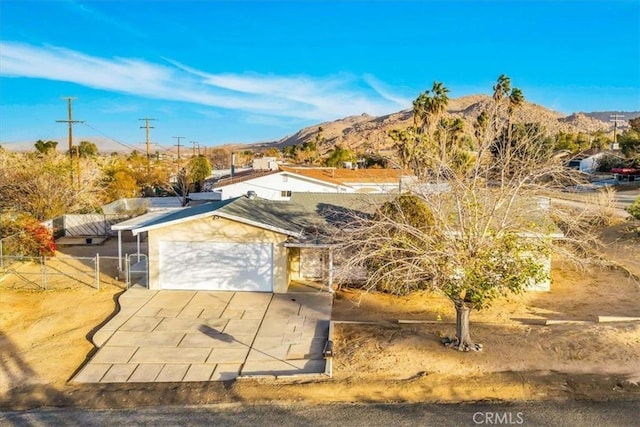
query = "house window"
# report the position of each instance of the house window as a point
(285, 178)
(285, 193)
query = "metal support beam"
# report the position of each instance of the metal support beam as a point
(119, 250)
(138, 246)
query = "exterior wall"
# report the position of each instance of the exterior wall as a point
(294, 264)
(219, 230)
(543, 285)
(311, 263)
(271, 187)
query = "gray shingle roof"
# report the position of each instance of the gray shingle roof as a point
(304, 213)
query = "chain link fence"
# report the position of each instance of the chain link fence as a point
(71, 272)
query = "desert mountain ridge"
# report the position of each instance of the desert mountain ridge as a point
(371, 133)
(365, 132)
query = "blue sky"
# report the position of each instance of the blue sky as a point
(217, 72)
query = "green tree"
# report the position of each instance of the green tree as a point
(85, 149)
(634, 209)
(198, 169)
(46, 147)
(629, 142)
(338, 156)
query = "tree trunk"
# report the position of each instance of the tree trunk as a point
(462, 340)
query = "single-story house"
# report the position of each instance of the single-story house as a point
(246, 243)
(252, 244)
(280, 184)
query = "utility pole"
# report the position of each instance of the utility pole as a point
(147, 127)
(178, 145)
(194, 147)
(615, 119)
(70, 121)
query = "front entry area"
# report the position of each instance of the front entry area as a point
(216, 266)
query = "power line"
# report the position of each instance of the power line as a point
(131, 147)
(71, 122)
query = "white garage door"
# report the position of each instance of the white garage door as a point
(216, 266)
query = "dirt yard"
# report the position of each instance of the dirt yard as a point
(45, 338)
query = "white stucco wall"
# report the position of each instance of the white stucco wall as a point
(271, 187)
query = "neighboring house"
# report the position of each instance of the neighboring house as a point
(287, 180)
(586, 162)
(358, 180)
(246, 243)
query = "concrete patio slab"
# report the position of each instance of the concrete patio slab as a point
(228, 355)
(140, 324)
(189, 325)
(199, 372)
(171, 355)
(170, 336)
(216, 340)
(92, 372)
(146, 372)
(119, 373)
(172, 373)
(143, 339)
(115, 355)
(226, 372)
(242, 327)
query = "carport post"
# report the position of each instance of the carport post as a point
(330, 270)
(138, 241)
(119, 250)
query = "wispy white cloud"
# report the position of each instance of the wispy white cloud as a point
(385, 91)
(302, 97)
(85, 10)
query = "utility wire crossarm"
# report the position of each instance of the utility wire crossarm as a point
(615, 118)
(178, 145)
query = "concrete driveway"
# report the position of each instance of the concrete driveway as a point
(171, 336)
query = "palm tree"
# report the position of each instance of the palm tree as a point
(501, 88)
(516, 99)
(429, 107)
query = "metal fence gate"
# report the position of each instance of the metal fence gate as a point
(137, 270)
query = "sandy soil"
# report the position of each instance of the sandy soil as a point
(45, 338)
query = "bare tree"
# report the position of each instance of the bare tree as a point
(40, 186)
(490, 233)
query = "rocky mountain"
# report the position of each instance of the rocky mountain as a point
(607, 116)
(365, 132)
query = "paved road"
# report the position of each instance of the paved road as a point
(591, 414)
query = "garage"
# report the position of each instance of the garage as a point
(218, 266)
